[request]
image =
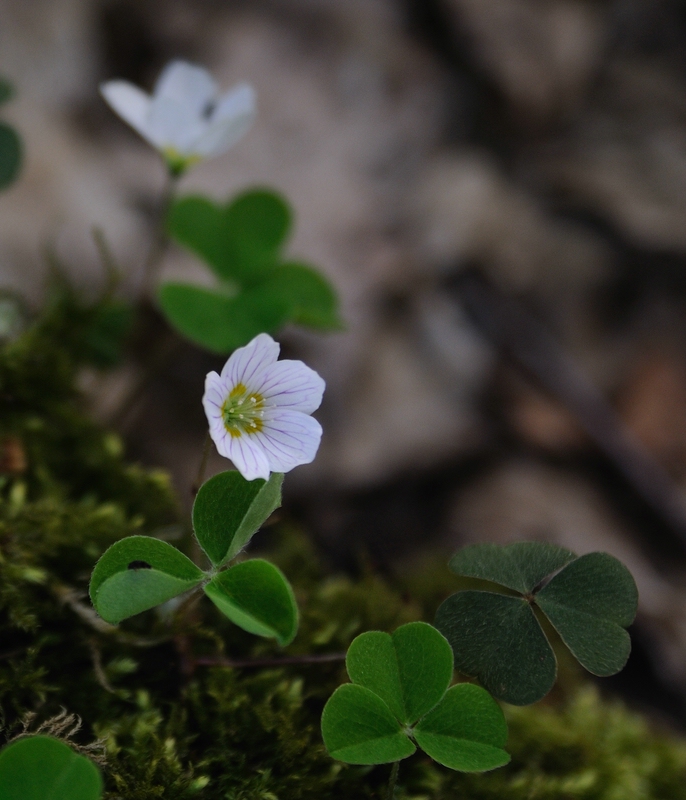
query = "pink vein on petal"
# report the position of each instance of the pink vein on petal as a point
(292, 384)
(248, 361)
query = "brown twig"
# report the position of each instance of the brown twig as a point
(11, 653)
(72, 599)
(98, 669)
(247, 663)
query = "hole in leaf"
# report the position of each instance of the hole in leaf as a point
(139, 565)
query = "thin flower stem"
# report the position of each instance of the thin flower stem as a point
(161, 239)
(108, 261)
(163, 349)
(393, 780)
(209, 661)
(195, 488)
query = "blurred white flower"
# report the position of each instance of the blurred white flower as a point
(259, 410)
(186, 119)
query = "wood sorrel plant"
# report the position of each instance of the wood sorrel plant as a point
(259, 411)
(399, 696)
(187, 120)
(399, 693)
(140, 572)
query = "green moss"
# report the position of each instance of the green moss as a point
(585, 749)
(175, 722)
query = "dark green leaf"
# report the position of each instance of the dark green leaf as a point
(239, 241)
(359, 728)
(228, 510)
(409, 670)
(520, 566)
(497, 639)
(589, 603)
(43, 768)
(466, 731)
(218, 322)
(256, 596)
(10, 155)
(312, 298)
(6, 91)
(138, 573)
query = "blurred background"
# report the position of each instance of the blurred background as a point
(497, 188)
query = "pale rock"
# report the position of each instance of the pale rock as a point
(68, 185)
(626, 158)
(63, 194)
(467, 212)
(47, 49)
(541, 53)
(410, 402)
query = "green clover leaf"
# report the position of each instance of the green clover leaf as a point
(359, 728)
(399, 693)
(256, 596)
(220, 322)
(242, 243)
(498, 637)
(241, 240)
(138, 573)
(228, 510)
(43, 768)
(409, 670)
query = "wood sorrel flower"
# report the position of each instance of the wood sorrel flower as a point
(186, 118)
(259, 410)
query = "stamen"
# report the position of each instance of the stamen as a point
(241, 411)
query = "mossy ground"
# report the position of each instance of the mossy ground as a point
(174, 722)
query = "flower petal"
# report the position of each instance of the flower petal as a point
(130, 103)
(247, 363)
(248, 456)
(292, 384)
(214, 397)
(189, 85)
(172, 127)
(231, 119)
(288, 438)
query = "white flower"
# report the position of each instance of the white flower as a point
(259, 410)
(186, 118)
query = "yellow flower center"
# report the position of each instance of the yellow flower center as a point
(242, 411)
(177, 162)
